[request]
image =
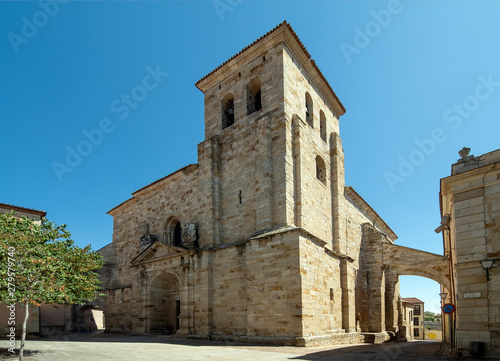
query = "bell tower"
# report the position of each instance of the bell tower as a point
(271, 120)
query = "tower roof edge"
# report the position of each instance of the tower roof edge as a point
(285, 30)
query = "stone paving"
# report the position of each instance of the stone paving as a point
(105, 347)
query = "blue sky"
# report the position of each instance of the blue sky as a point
(419, 80)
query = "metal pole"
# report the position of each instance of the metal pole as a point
(449, 320)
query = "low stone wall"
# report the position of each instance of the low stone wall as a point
(312, 341)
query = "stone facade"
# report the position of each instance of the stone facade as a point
(470, 206)
(33, 214)
(261, 240)
(418, 317)
(406, 322)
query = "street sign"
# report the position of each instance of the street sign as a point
(449, 308)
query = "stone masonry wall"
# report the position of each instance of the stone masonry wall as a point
(475, 220)
(312, 201)
(322, 295)
(257, 290)
(245, 174)
(152, 207)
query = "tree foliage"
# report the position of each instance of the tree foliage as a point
(40, 263)
(431, 317)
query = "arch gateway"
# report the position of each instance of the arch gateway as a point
(260, 240)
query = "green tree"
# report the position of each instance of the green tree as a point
(40, 263)
(430, 316)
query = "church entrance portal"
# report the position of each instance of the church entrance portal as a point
(165, 304)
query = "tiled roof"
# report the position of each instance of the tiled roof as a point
(412, 300)
(171, 174)
(150, 184)
(23, 209)
(284, 23)
(357, 198)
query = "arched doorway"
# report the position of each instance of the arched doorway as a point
(164, 304)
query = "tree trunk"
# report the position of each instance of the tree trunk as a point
(23, 337)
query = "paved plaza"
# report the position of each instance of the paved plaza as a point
(106, 347)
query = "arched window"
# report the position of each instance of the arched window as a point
(309, 110)
(254, 102)
(322, 125)
(227, 111)
(173, 232)
(320, 169)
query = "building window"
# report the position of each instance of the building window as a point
(227, 111)
(416, 321)
(416, 332)
(309, 110)
(417, 310)
(320, 169)
(173, 232)
(322, 125)
(254, 102)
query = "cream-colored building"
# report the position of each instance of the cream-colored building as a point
(418, 317)
(33, 214)
(33, 326)
(45, 319)
(406, 321)
(470, 207)
(260, 240)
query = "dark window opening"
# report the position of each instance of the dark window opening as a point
(417, 310)
(254, 98)
(320, 169)
(309, 110)
(173, 232)
(177, 234)
(322, 125)
(416, 332)
(227, 111)
(177, 314)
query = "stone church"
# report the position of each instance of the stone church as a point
(260, 240)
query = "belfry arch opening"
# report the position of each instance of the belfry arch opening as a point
(227, 111)
(165, 304)
(254, 102)
(309, 110)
